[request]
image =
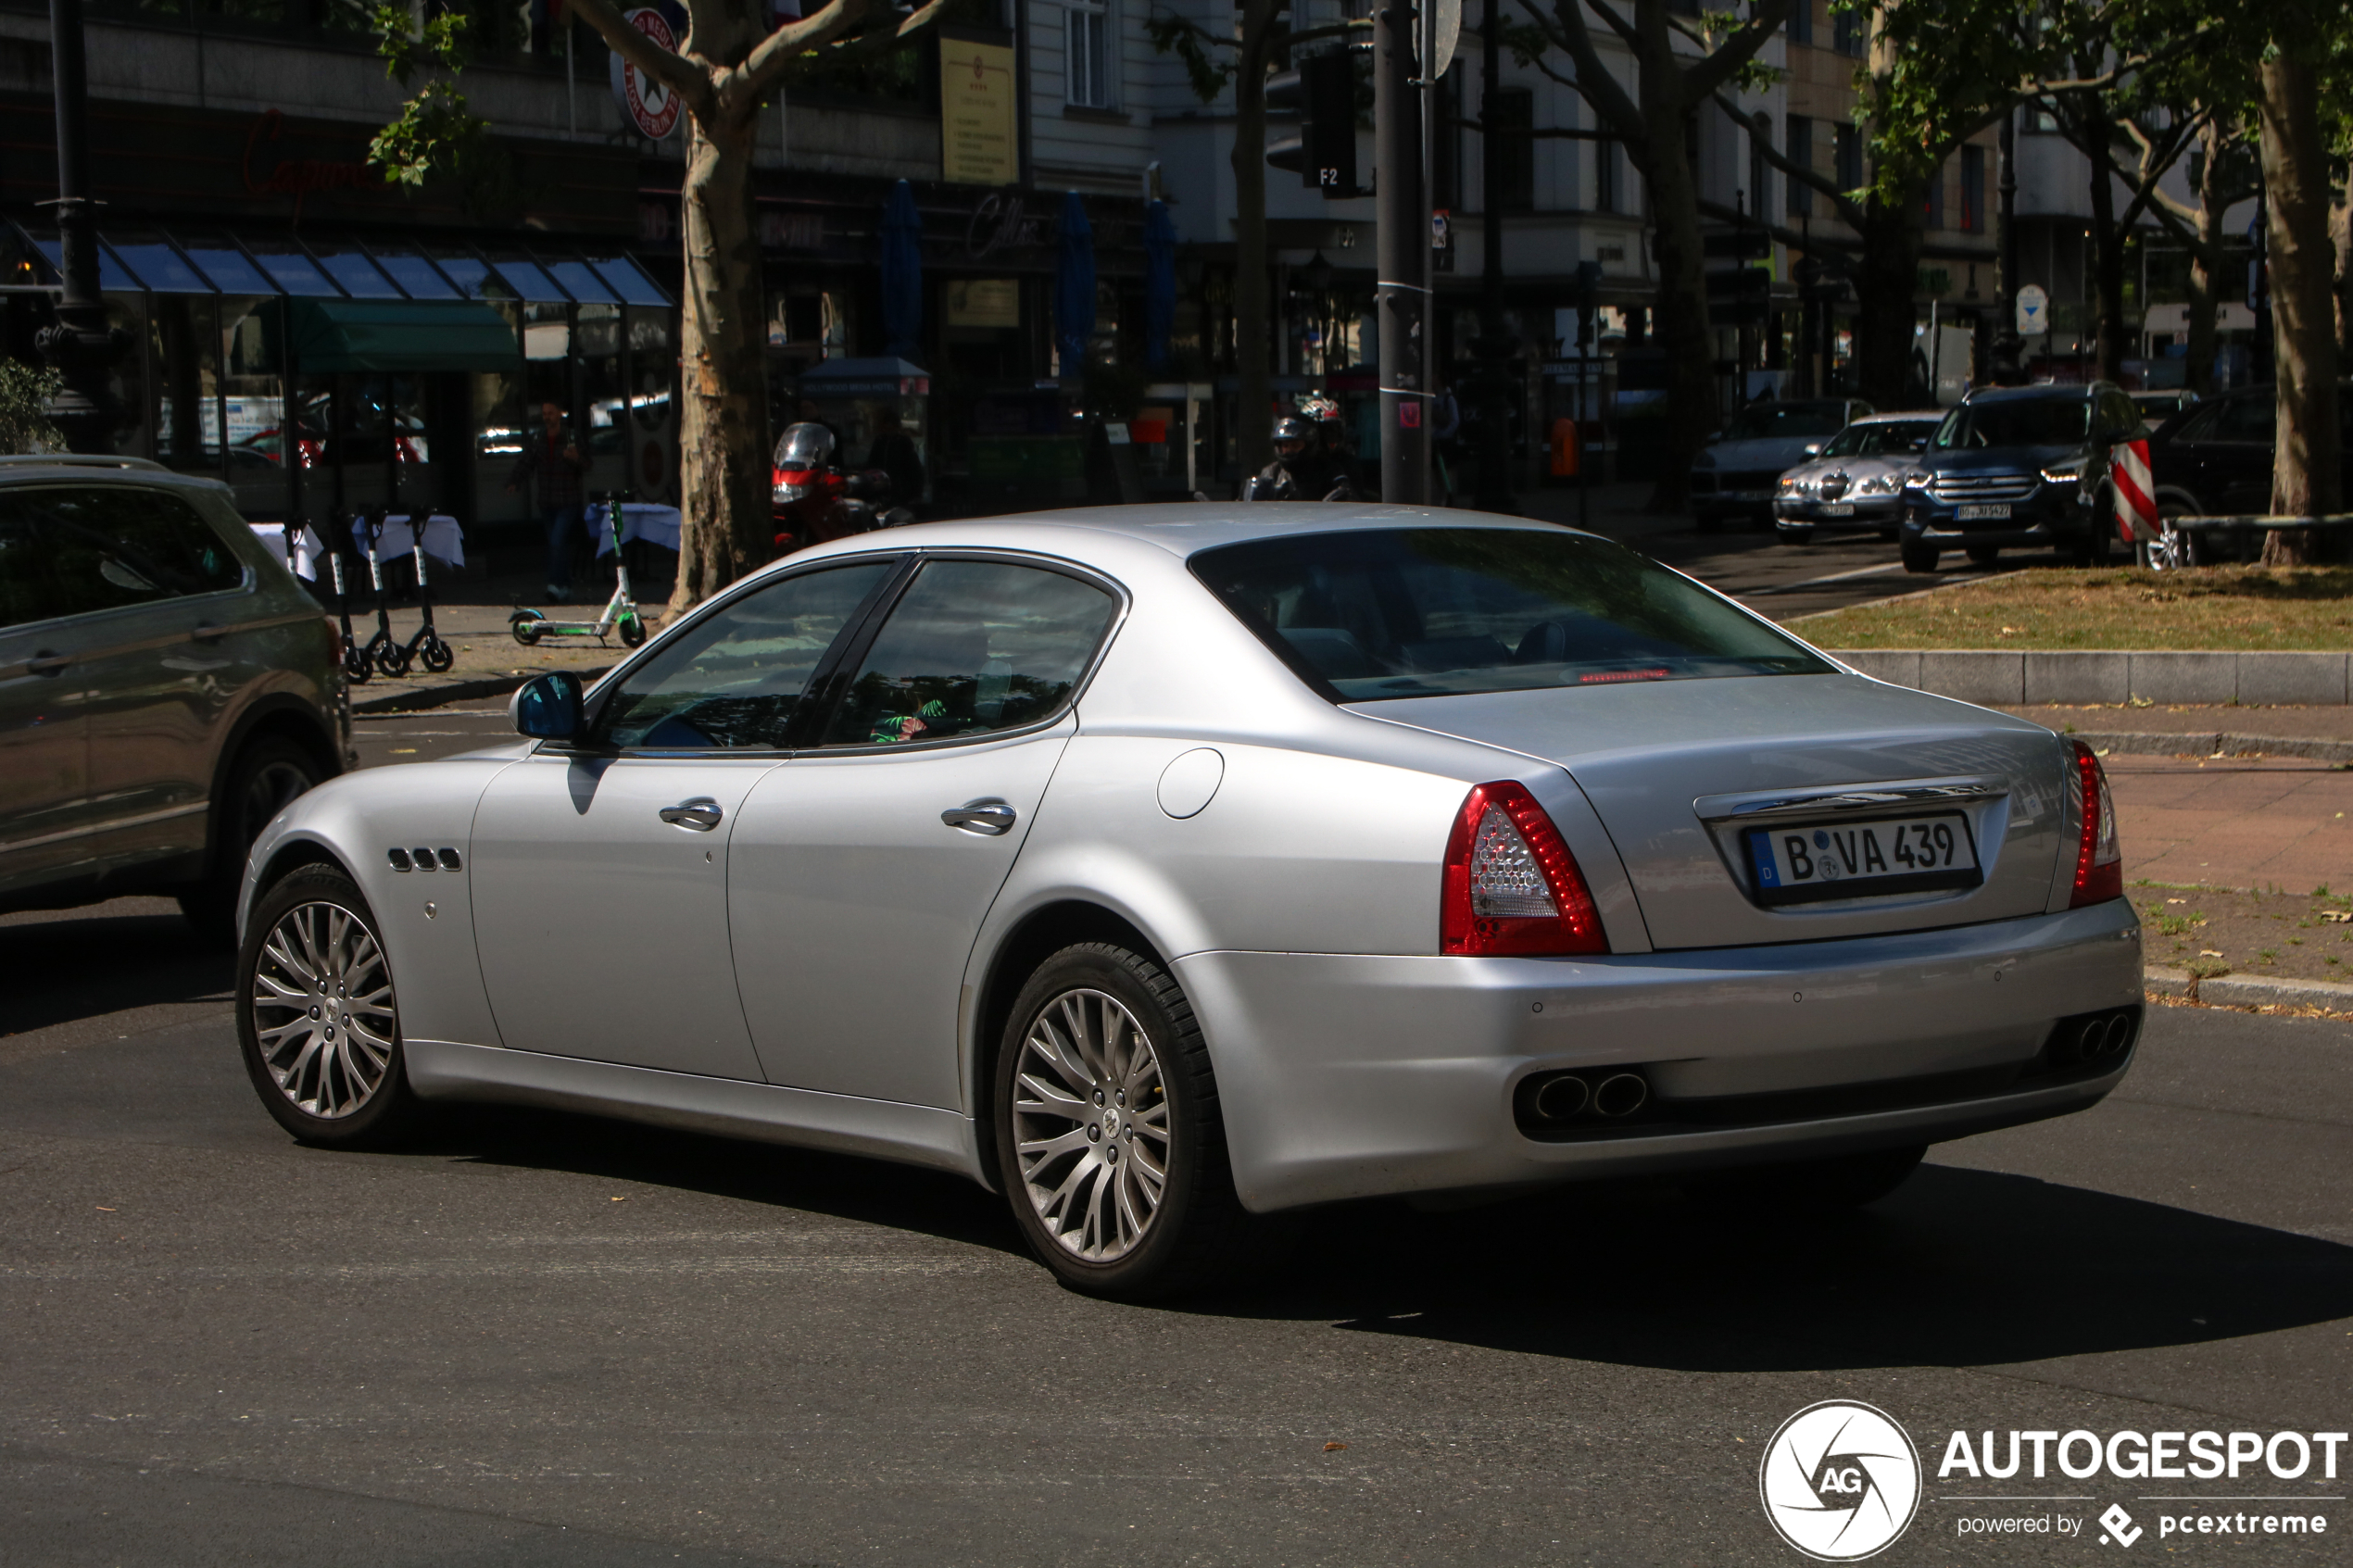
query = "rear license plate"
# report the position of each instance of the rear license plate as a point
(1985, 509)
(1838, 508)
(1806, 863)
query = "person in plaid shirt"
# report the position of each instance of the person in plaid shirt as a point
(551, 456)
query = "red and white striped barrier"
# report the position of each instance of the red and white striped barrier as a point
(2128, 469)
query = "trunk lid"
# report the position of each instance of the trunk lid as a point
(1681, 771)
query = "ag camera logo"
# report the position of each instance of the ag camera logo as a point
(1840, 1480)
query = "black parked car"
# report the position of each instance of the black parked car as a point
(2216, 460)
(2024, 466)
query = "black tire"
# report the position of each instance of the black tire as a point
(526, 624)
(328, 1096)
(437, 655)
(267, 773)
(1920, 557)
(392, 658)
(1795, 536)
(1889, 535)
(2092, 549)
(633, 632)
(1198, 1229)
(1846, 1181)
(1985, 555)
(357, 668)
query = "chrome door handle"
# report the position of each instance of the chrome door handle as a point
(701, 814)
(46, 663)
(987, 818)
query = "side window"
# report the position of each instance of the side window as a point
(733, 682)
(2124, 421)
(26, 592)
(973, 647)
(2249, 419)
(116, 544)
(2200, 426)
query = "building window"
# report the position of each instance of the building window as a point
(1847, 32)
(1798, 147)
(1849, 173)
(1513, 178)
(1932, 206)
(1972, 190)
(1760, 174)
(1801, 22)
(1087, 70)
(1606, 185)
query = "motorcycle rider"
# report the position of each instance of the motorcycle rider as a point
(1301, 470)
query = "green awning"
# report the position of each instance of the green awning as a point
(332, 336)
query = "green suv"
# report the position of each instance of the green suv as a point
(166, 687)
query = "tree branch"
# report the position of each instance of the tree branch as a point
(1617, 24)
(1705, 75)
(678, 75)
(1594, 83)
(774, 54)
(1838, 253)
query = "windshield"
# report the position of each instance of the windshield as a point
(2042, 421)
(1880, 441)
(1784, 421)
(805, 447)
(1441, 611)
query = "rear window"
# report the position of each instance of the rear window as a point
(1767, 421)
(1441, 611)
(2029, 422)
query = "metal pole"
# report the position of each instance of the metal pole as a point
(1494, 492)
(1402, 298)
(81, 344)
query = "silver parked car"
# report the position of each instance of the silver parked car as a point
(1857, 483)
(1165, 868)
(166, 686)
(1735, 475)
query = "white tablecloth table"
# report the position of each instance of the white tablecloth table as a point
(445, 541)
(639, 520)
(302, 561)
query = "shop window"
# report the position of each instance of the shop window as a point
(1090, 57)
(602, 392)
(1932, 208)
(1848, 34)
(1801, 22)
(547, 353)
(185, 347)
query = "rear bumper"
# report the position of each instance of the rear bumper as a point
(1345, 1077)
(1874, 514)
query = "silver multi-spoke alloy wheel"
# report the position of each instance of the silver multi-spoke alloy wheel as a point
(322, 1009)
(1091, 1125)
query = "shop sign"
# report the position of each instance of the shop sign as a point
(299, 177)
(1002, 223)
(792, 230)
(650, 104)
(983, 302)
(976, 107)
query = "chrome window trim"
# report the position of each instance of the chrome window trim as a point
(1753, 806)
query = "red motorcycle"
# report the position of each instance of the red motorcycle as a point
(815, 501)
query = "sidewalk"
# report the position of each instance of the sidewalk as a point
(2242, 822)
(471, 616)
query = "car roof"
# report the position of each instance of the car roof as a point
(48, 467)
(1176, 529)
(2043, 392)
(1913, 416)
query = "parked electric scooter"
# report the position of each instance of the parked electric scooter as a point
(426, 646)
(383, 650)
(356, 666)
(620, 611)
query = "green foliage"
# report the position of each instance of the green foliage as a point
(25, 393)
(434, 131)
(440, 44)
(1190, 43)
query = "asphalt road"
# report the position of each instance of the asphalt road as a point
(553, 1339)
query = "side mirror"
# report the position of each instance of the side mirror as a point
(1813, 448)
(546, 706)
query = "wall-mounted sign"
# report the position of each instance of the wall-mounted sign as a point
(652, 107)
(977, 104)
(2033, 310)
(983, 302)
(1002, 223)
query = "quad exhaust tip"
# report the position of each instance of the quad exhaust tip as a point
(2095, 1038)
(1560, 1099)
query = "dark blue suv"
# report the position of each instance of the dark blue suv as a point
(2019, 467)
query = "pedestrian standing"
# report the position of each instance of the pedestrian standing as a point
(552, 464)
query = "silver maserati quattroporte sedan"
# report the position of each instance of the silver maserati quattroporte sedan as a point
(1165, 868)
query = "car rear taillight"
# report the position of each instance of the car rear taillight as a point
(1510, 885)
(2099, 862)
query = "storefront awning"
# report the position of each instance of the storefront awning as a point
(333, 336)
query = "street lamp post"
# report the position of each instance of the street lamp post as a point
(1494, 492)
(2009, 348)
(81, 344)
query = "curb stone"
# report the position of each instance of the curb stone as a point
(2208, 742)
(2239, 991)
(416, 697)
(2023, 677)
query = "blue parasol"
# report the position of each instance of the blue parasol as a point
(1074, 286)
(902, 273)
(1160, 282)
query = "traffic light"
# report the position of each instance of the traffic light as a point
(1322, 91)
